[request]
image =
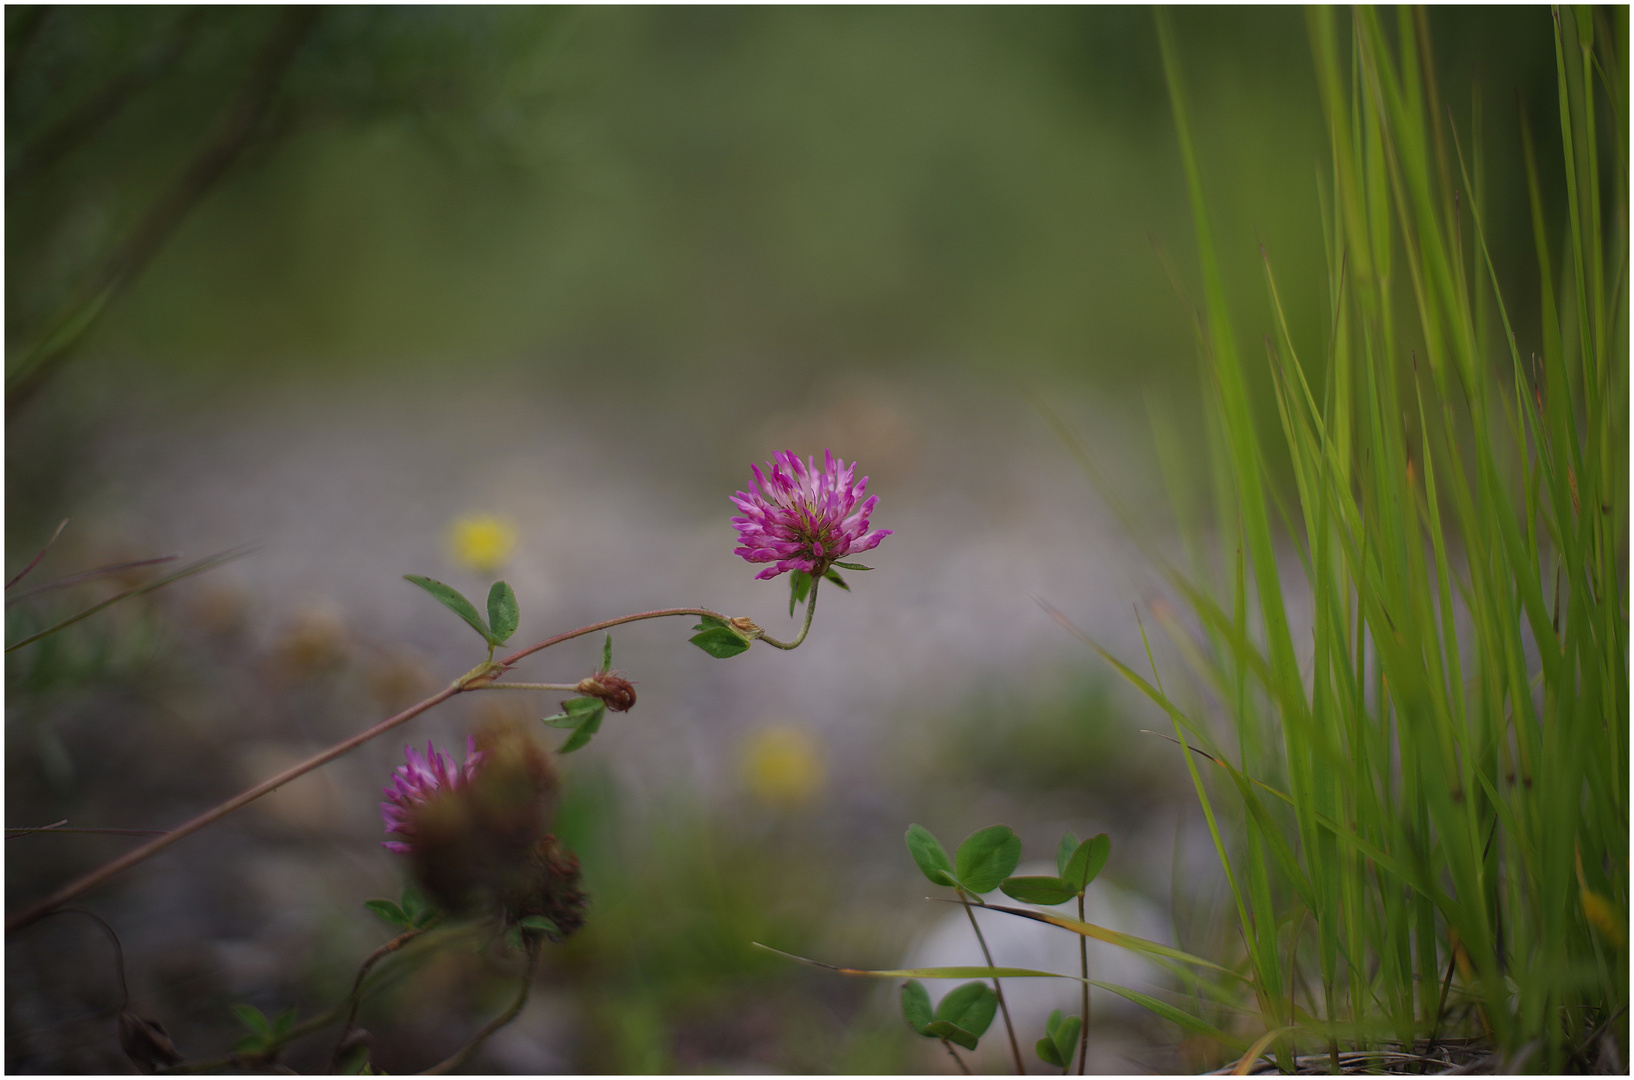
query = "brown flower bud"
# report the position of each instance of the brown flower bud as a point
(146, 1043)
(615, 690)
(746, 626)
(549, 888)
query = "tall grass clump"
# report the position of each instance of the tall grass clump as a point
(1418, 786)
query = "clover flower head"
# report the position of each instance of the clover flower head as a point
(800, 517)
(423, 778)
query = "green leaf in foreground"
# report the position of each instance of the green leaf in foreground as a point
(454, 601)
(503, 614)
(916, 1005)
(720, 642)
(1086, 861)
(987, 857)
(928, 853)
(941, 1029)
(585, 731)
(970, 1007)
(1048, 891)
(389, 912)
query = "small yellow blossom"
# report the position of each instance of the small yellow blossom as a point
(783, 765)
(1598, 910)
(482, 543)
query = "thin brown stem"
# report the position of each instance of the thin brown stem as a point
(463, 1055)
(355, 998)
(998, 990)
(209, 817)
(23, 573)
(1083, 968)
(957, 1060)
(593, 627)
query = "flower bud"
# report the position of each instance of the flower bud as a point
(615, 690)
(550, 887)
(146, 1043)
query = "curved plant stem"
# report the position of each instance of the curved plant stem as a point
(811, 609)
(480, 677)
(1083, 966)
(355, 998)
(957, 1060)
(463, 1055)
(998, 991)
(210, 817)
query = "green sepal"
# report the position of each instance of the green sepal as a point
(1048, 891)
(853, 566)
(454, 601)
(388, 911)
(1086, 862)
(540, 922)
(607, 653)
(941, 1029)
(503, 614)
(930, 855)
(969, 1007)
(834, 575)
(799, 586)
(987, 857)
(916, 1005)
(721, 642)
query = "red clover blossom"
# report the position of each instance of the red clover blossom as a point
(422, 779)
(798, 517)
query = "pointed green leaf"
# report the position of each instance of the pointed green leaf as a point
(1087, 861)
(388, 911)
(1063, 852)
(253, 1018)
(916, 1005)
(411, 902)
(720, 642)
(540, 922)
(964, 971)
(853, 566)
(451, 598)
(1112, 937)
(283, 1022)
(607, 653)
(931, 857)
(503, 614)
(586, 729)
(970, 1007)
(1048, 1054)
(941, 1029)
(987, 857)
(1038, 890)
(834, 575)
(708, 622)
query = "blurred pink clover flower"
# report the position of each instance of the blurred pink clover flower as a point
(423, 778)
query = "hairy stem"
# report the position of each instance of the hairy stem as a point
(811, 609)
(463, 1055)
(355, 998)
(998, 991)
(527, 686)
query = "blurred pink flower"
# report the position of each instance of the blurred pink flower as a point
(417, 783)
(801, 518)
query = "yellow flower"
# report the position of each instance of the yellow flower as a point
(481, 543)
(783, 765)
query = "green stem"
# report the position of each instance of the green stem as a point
(461, 1056)
(355, 998)
(998, 991)
(527, 686)
(957, 1060)
(811, 609)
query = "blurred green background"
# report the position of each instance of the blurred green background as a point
(579, 267)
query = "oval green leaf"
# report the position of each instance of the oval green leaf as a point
(1048, 1054)
(928, 853)
(503, 614)
(1048, 891)
(1087, 861)
(941, 1029)
(1063, 852)
(1065, 1036)
(916, 1005)
(453, 600)
(970, 1007)
(720, 642)
(987, 857)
